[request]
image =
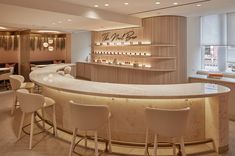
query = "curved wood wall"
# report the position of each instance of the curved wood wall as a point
(169, 30)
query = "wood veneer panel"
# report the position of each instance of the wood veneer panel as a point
(169, 30)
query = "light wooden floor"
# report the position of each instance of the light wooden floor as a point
(46, 145)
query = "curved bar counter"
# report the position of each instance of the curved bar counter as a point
(208, 102)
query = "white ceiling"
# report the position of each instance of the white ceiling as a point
(135, 6)
(54, 14)
(38, 19)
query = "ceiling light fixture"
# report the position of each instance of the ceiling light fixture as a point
(69, 20)
(198, 5)
(106, 4)
(126, 3)
(158, 3)
(3, 28)
(175, 3)
(96, 6)
(59, 21)
(50, 48)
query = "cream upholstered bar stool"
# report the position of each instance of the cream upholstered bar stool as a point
(30, 103)
(67, 72)
(170, 123)
(89, 118)
(17, 82)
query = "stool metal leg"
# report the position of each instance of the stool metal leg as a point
(43, 117)
(54, 121)
(174, 146)
(85, 139)
(96, 144)
(21, 125)
(31, 131)
(146, 142)
(14, 103)
(73, 141)
(155, 144)
(182, 146)
(109, 137)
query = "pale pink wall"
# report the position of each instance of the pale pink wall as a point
(8, 56)
(38, 55)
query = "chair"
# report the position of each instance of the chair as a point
(30, 103)
(169, 123)
(67, 70)
(17, 82)
(89, 118)
(5, 76)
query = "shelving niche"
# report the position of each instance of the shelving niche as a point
(134, 56)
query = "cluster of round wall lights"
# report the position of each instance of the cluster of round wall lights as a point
(49, 45)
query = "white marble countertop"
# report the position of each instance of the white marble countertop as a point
(48, 77)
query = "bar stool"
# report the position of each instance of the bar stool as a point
(30, 103)
(167, 122)
(67, 72)
(17, 82)
(89, 118)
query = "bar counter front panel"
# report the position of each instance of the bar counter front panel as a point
(208, 102)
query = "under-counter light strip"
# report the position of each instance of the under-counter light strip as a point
(48, 31)
(173, 6)
(3, 28)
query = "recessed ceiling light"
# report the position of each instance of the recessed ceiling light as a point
(175, 3)
(96, 6)
(53, 23)
(106, 4)
(69, 20)
(126, 3)
(198, 5)
(3, 28)
(158, 3)
(59, 21)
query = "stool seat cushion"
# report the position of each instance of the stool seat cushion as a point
(48, 102)
(27, 85)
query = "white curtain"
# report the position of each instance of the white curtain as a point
(214, 30)
(231, 29)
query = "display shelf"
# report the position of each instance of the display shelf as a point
(137, 56)
(135, 68)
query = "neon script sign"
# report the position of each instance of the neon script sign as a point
(130, 35)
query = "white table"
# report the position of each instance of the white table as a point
(4, 70)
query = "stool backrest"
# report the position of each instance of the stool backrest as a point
(88, 117)
(67, 70)
(167, 122)
(29, 102)
(15, 81)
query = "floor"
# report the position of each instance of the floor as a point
(45, 144)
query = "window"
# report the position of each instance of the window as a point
(210, 60)
(231, 59)
(218, 42)
(214, 58)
